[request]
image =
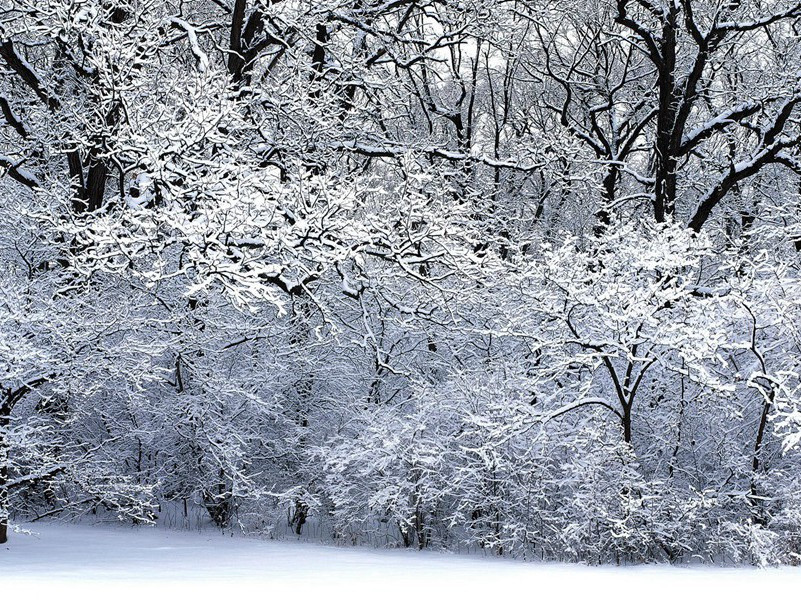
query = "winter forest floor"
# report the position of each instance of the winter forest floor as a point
(100, 560)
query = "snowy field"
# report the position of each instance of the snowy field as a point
(114, 561)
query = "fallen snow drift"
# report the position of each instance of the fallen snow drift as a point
(105, 559)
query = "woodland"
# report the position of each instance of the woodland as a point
(521, 276)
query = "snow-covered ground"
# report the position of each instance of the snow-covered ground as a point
(115, 561)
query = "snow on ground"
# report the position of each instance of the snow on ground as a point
(115, 561)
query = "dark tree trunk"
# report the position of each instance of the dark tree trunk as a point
(604, 214)
(627, 426)
(299, 516)
(219, 502)
(756, 504)
(5, 411)
(236, 61)
(666, 159)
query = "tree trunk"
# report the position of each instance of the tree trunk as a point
(219, 502)
(756, 504)
(235, 59)
(627, 426)
(4, 507)
(603, 215)
(665, 155)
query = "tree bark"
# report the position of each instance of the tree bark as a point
(665, 184)
(236, 61)
(5, 411)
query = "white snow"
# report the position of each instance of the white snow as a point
(119, 561)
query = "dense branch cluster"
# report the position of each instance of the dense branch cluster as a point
(521, 275)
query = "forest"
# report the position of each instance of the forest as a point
(521, 276)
